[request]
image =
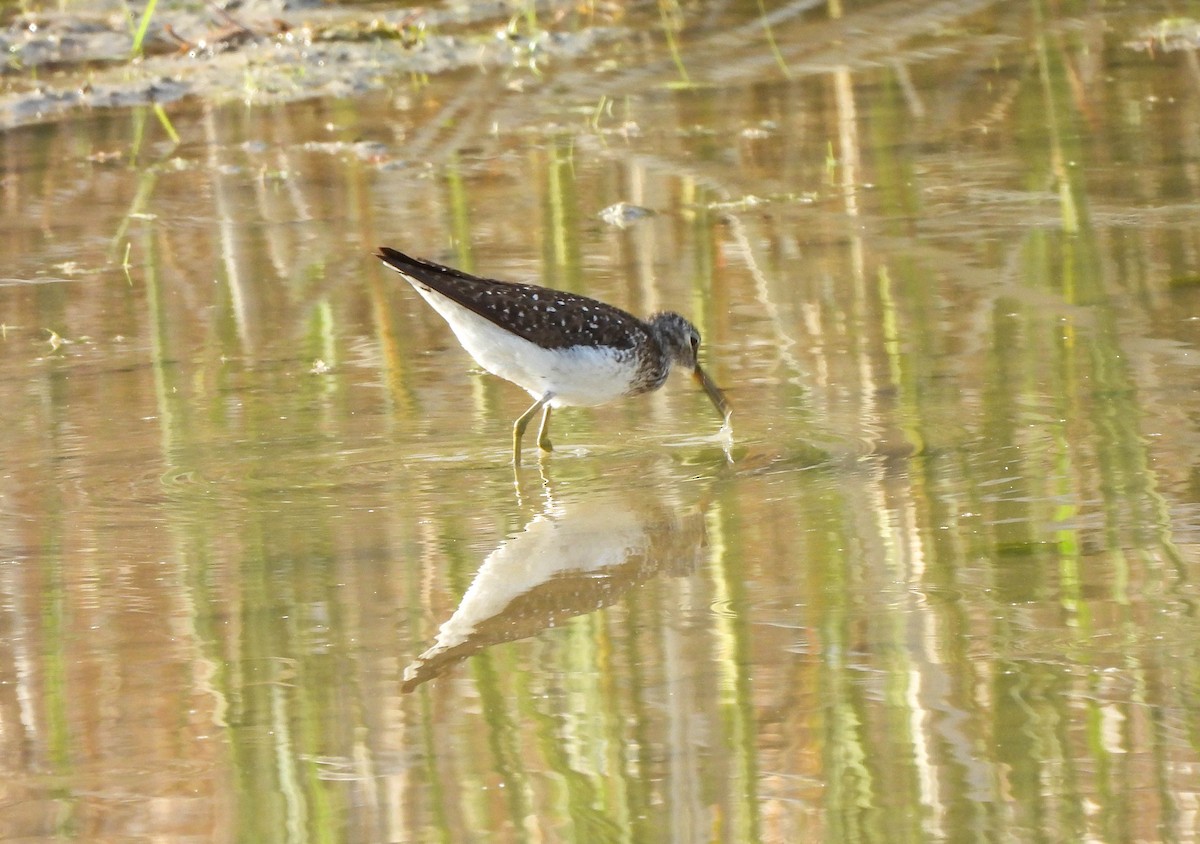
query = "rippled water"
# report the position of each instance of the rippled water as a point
(266, 572)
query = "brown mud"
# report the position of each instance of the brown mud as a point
(266, 51)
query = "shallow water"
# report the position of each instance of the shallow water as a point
(267, 574)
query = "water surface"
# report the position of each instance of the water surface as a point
(267, 574)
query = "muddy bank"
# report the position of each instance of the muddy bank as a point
(265, 52)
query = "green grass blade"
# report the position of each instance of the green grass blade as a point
(143, 25)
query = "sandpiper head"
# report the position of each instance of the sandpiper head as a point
(677, 337)
(680, 340)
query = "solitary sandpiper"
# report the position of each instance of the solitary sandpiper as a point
(563, 349)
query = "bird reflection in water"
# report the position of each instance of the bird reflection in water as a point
(578, 555)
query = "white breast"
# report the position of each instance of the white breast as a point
(578, 376)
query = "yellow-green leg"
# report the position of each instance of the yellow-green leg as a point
(544, 431)
(523, 422)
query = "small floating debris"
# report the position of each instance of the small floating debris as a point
(622, 214)
(366, 150)
(761, 130)
(743, 203)
(1168, 35)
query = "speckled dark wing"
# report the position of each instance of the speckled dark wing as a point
(553, 319)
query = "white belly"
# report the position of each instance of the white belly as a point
(580, 376)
